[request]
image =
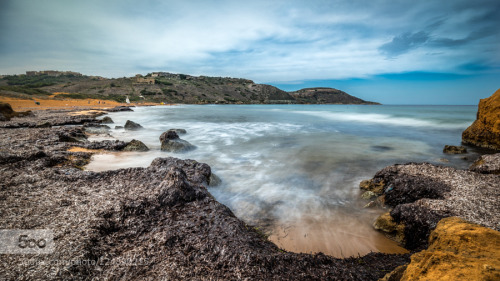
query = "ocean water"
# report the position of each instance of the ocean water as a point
(294, 170)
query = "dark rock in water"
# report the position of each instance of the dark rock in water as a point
(171, 142)
(214, 180)
(97, 129)
(487, 164)
(118, 127)
(119, 108)
(423, 194)
(485, 131)
(179, 131)
(135, 145)
(453, 149)
(72, 135)
(107, 120)
(131, 125)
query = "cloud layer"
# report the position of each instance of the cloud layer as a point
(261, 40)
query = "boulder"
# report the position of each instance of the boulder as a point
(131, 125)
(171, 142)
(487, 164)
(107, 120)
(118, 127)
(373, 185)
(458, 250)
(135, 145)
(485, 131)
(453, 149)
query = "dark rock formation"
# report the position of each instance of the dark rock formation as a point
(423, 194)
(485, 131)
(171, 142)
(487, 164)
(131, 125)
(135, 145)
(453, 149)
(107, 120)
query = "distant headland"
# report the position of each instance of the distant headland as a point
(163, 87)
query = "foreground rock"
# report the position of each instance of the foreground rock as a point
(171, 142)
(423, 194)
(131, 125)
(485, 131)
(458, 250)
(154, 223)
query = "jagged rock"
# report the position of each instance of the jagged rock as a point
(118, 127)
(171, 142)
(485, 131)
(458, 250)
(423, 194)
(135, 145)
(487, 164)
(453, 149)
(387, 224)
(107, 120)
(131, 125)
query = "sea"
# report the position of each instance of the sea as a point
(293, 171)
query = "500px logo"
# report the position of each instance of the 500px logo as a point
(26, 241)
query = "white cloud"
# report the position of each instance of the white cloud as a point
(260, 40)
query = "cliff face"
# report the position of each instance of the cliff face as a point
(485, 131)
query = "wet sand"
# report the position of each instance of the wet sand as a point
(338, 236)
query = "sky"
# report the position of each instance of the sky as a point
(393, 52)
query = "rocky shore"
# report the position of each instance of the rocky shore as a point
(152, 223)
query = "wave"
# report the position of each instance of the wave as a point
(383, 119)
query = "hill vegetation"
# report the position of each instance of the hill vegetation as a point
(168, 88)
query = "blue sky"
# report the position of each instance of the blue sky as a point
(395, 52)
